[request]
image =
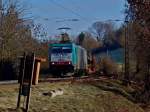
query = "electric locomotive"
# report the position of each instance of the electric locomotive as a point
(67, 58)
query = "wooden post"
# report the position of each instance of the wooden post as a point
(21, 77)
(36, 72)
(25, 79)
(37, 69)
(30, 83)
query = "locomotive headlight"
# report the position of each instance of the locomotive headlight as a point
(53, 63)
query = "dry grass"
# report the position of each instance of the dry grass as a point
(76, 98)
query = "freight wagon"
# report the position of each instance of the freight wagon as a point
(67, 58)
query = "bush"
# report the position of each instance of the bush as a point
(108, 67)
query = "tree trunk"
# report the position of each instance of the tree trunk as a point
(147, 78)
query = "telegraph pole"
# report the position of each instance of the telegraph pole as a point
(1, 38)
(126, 53)
(126, 56)
(1, 13)
(0, 7)
(1, 32)
(1, 17)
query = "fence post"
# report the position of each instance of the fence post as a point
(25, 79)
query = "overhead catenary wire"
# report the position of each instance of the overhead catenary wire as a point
(69, 10)
(85, 19)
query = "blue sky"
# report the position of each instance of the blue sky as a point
(47, 12)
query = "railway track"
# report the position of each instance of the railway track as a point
(68, 79)
(8, 82)
(53, 80)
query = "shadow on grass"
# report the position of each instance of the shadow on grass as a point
(9, 110)
(15, 110)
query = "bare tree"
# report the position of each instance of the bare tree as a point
(87, 41)
(101, 29)
(139, 12)
(19, 34)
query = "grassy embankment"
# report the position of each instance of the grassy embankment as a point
(76, 98)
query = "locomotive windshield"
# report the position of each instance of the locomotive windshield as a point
(61, 53)
(61, 50)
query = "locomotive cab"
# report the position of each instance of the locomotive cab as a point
(67, 58)
(60, 58)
